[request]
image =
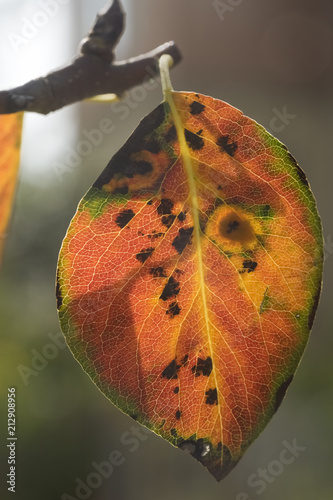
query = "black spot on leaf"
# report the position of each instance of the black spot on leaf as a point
(124, 217)
(211, 398)
(58, 294)
(181, 216)
(143, 167)
(173, 432)
(176, 390)
(196, 108)
(182, 239)
(137, 168)
(178, 415)
(158, 272)
(203, 367)
(249, 265)
(173, 310)
(225, 145)
(152, 146)
(281, 392)
(194, 141)
(171, 371)
(150, 202)
(167, 220)
(143, 255)
(165, 207)
(171, 289)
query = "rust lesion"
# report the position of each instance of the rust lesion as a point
(235, 228)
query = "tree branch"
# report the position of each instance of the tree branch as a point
(92, 73)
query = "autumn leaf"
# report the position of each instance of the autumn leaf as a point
(190, 275)
(10, 143)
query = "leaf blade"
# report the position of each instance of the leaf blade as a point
(213, 236)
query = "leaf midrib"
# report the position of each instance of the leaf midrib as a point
(187, 160)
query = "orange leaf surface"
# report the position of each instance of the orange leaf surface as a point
(10, 143)
(190, 275)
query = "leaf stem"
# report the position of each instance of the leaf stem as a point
(165, 62)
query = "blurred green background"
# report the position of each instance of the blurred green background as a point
(260, 57)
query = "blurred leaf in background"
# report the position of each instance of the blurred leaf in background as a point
(10, 144)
